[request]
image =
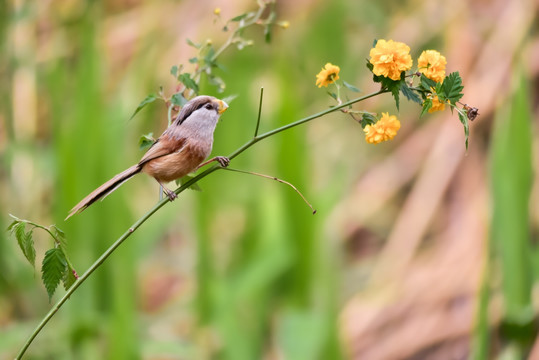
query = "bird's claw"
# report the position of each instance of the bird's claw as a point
(222, 160)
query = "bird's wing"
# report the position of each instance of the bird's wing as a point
(163, 146)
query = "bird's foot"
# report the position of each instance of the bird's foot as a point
(222, 160)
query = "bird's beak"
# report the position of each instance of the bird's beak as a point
(222, 107)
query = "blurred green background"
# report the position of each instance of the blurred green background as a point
(419, 250)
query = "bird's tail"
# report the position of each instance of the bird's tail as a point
(105, 189)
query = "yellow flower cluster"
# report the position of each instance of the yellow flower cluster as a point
(432, 64)
(328, 75)
(385, 129)
(390, 59)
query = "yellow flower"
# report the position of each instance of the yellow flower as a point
(385, 129)
(436, 104)
(217, 11)
(328, 75)
(390, 59)
(432, 64)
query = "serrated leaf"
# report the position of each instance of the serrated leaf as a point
(185, 78)
(185, 179)
(410, 94)
(12, 225)
(464, 120)
(351, 87)
(69, 277)
(427, 104)
(452, 87)
(146, 141)
(178, 99)
(174, 70)
(426, 83)
(53, 270)
(149, 99)
(60, 236)
(25, 241)
(367, 119)
(190, 43)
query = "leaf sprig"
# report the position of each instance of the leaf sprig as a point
(56, 266)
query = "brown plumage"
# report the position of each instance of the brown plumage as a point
(180, 150)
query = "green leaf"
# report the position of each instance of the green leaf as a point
(351, 87)
(178, 99)
(149, 99)
(395, 92)
(174, 70)
(25, 241)
(53, 269)
(426, 83)
(427, 104)
(332, 94)
(60, 236)
(185, 179)
(69, 277)
(464, 120)
(190, 43)
(368, 119)
(410, 94)
(239, 17)
(452, 87)
(193, 60)
(146, 141)
(185, 78)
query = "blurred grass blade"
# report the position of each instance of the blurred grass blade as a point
(511, 178)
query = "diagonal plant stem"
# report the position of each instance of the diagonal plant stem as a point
(161, 203)
(276, 179)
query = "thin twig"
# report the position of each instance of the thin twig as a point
(276, 179)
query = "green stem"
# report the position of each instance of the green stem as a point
(259, 111)
(161, 203)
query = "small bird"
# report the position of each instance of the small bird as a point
(181, 149)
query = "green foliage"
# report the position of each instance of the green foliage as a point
(56, 266)
(451, 88)
(147, 100)
(146, 141)
(178, 100)
(351, 87)
(464, 120)
(368, 119)
(186, 79)
(410, 94)
(24, 239)
(53, 270)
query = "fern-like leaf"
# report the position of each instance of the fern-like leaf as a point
(53, 269)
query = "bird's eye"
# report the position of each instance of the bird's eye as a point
(209, 106)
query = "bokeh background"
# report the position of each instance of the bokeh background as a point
(420, 249)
